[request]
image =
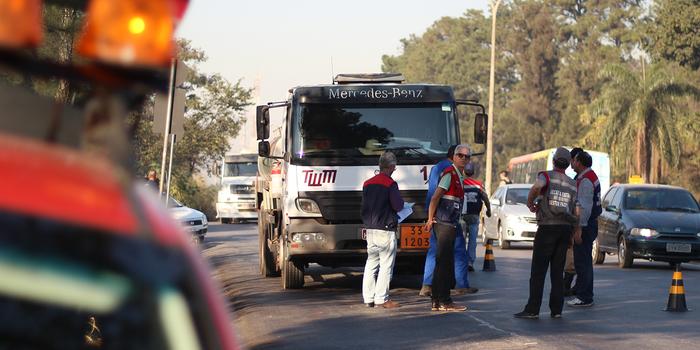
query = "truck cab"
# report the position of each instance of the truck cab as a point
(236, 198)
(334, 135)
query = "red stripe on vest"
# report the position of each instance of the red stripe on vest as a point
(379, 179)
(456, 189)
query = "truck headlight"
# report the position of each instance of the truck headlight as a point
(306, 237)
(644, 232)
(308, 205)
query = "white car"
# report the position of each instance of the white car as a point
(511, 220)
(192, 220)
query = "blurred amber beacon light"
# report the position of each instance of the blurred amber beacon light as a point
(20, 23)
(129, 32)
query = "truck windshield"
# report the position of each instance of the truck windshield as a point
(327, 134)
(240, 169)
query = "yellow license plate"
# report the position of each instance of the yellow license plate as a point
(414, 237)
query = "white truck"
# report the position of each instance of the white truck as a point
(310, 186)
(236, 197)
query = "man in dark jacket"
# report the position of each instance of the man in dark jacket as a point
(381, 201)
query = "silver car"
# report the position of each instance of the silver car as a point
(511, 220)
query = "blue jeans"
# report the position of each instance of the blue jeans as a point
(471, 242)
(583, 261)
(461, 265)
(381, 253)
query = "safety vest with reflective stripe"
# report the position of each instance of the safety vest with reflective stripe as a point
(450, 205)
(559, 200)
(593, 178)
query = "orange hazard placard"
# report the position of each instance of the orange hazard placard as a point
(412, 236)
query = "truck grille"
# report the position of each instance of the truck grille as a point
(242, 189)
(344, 207)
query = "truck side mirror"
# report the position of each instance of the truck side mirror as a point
(264, 148)
(480, 128)
(262, 122)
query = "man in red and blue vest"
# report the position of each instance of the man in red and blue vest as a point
(588, 196)
(474, 199)
(461, 261)
(444, 213)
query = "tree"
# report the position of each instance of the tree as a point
(214, 113)
(641, 106)
(675, 33)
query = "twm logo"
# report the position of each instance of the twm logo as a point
(318, 178)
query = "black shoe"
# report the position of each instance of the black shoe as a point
(435, 305)
(470, 268)
(369, 304)
(553, 315)
(528, 315)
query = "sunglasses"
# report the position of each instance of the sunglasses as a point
(462, 155)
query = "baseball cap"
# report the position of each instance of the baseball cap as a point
(562, 153)
(469, 168)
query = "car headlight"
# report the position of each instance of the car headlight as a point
(644, 232)
(308, 205)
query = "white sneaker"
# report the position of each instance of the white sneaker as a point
(576, 302)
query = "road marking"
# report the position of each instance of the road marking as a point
(525, 341)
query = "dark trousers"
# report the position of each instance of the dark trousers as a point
(551, 242)
(583, 261)
(444, 274)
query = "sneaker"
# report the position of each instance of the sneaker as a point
(470, 268)
(369, 304)
(468, 290)
(553, 315)
(452, 307)
(426, 291)
(527, 315)
(576, 302)
(389, 304)
(435, 305)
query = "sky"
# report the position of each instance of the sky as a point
(278, 44)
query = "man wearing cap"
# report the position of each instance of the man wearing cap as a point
(556, 216)
(588, 196)
(474, 199)
(443, 214)
(460, 253)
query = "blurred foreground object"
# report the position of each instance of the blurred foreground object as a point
(20, 23)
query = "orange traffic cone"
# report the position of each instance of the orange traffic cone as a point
(676, 296)
(489, 261)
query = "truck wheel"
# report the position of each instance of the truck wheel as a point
(292, 275)
(225, 220)
(266, 260)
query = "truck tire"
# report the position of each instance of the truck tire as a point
(266, 259)
(292, 275)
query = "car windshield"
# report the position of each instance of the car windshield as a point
(661, 199)
(517, 196)
(172, 203)
(417, 133)
(240, 169)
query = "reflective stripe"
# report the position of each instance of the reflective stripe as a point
(562, 183)
(452, 198)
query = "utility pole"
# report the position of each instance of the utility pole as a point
(489, 136)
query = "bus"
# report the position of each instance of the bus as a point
(524, 169)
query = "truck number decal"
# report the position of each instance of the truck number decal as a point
(424, 170)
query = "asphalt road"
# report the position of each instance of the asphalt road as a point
(328, 312)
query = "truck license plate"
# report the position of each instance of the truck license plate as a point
(414, 237)
(678, 248)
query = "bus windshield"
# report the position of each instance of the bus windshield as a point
(240, 169)
(332, 133)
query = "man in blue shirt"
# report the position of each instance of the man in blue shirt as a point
(461, 264)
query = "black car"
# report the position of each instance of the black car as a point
(653, 222)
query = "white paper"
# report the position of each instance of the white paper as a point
(405, 212)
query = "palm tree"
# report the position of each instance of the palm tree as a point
(641, 112)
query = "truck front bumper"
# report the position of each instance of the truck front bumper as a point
(337, 244)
